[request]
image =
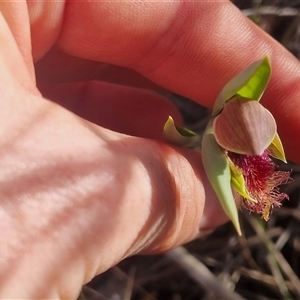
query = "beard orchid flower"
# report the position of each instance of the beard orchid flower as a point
(237, 145)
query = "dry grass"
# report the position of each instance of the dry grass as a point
(262, 264)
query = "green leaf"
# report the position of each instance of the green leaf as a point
(180, 136)
(249, 84)
(276, 149)
(218, 172)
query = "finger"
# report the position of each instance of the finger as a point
(46, 18)
(163, 46)
(16, 17)
(188, 47)
(57, 66)
(126, 110)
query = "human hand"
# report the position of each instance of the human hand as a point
(76, 198)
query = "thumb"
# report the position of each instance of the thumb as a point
(77, 199)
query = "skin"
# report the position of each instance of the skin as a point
(78, 196)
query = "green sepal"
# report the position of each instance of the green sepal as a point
(276, 149)
(216, 166)
(248, 84)
(180, 136)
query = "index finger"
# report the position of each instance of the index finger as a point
(191, 48)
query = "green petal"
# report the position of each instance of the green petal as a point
(180, 136)
(250, 84)
(276, 149)
(218, 172)
(238, 182)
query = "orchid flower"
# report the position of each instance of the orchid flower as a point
(238, 143)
